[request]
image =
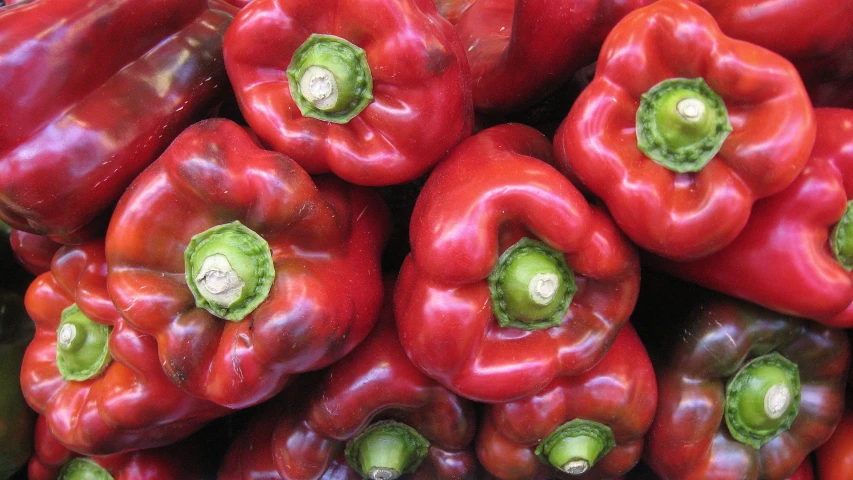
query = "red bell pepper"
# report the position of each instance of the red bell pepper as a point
(16, 418)
(371, 415)
(588, 426)
(244, 268)
(34, 252)
(96, 381)
(92, 93)
(52, 461)
(520, 51)
(683, 128)
(796, 252)
(834, 459)
(513, 278)
(373, 91)
(743, 392)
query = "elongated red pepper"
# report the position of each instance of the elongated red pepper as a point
(743, 392)
(96, 381)
(513, 278)
(683, 128)
(374, 409)
(92, 93)
(796, 252)
(520, 51)
(52, 461)
(588, 426)
(375, 92)
(243, 267)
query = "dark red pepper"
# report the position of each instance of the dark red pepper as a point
(796, 252)
(682, 129)
(332, 425)
(34, 252)
(588, 426)
(513, 278)
(243, 267)
(374, 91)
(92, 93)
(96, 381)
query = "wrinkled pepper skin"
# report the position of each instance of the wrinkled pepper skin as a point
(129, 404)
(698, 360)
(421, 105)
(301, 434)
(813, 45)
(673, 213)
(116, 82)
(323, 238)
(180, 461)
(783, 259)
(34, 252)
(16, 418)
(522, 50)
(620, 392)
(834, 459)
(492, 190)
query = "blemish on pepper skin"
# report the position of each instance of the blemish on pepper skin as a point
(438, 60)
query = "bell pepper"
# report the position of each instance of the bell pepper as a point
(371, 415)
(796, 251)
(520, 51)
(682, 128)
(34, 252)
(96, 381)
(513, 278)
(373, 91)
(16, 417)
(588, 426)
(107, 89)
(812, 36)
(743, 392)
(244, 268)
(834, 459)
(15, 277)
(52, 461)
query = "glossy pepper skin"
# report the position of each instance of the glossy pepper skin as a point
(52, 461)
(785, 258)
(106, 102)
(34, 252)
(680, 178)
(16, 418)
(522, 50)
(491, 191)
(127, 403)
(317, 289)
(834, 459)
(421, 102)
(697, 361)
(619, 392)
(302, 433)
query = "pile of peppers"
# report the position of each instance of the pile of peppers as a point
(426, 239)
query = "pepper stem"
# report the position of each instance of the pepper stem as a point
(576, 446)
(229, 270)
(531, 286)
(682, 124)
(82, 345)
(386, 450)
(841, 239)
(80, 468)
(329, 79)
(762, 399)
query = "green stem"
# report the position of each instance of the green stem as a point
(386, 450)
(682, 124)
(82, 345)
(329, 79)
(83, 469)
(576, 446)
(841, 239)
(762, 399)
(229, 270)
(531, 286)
